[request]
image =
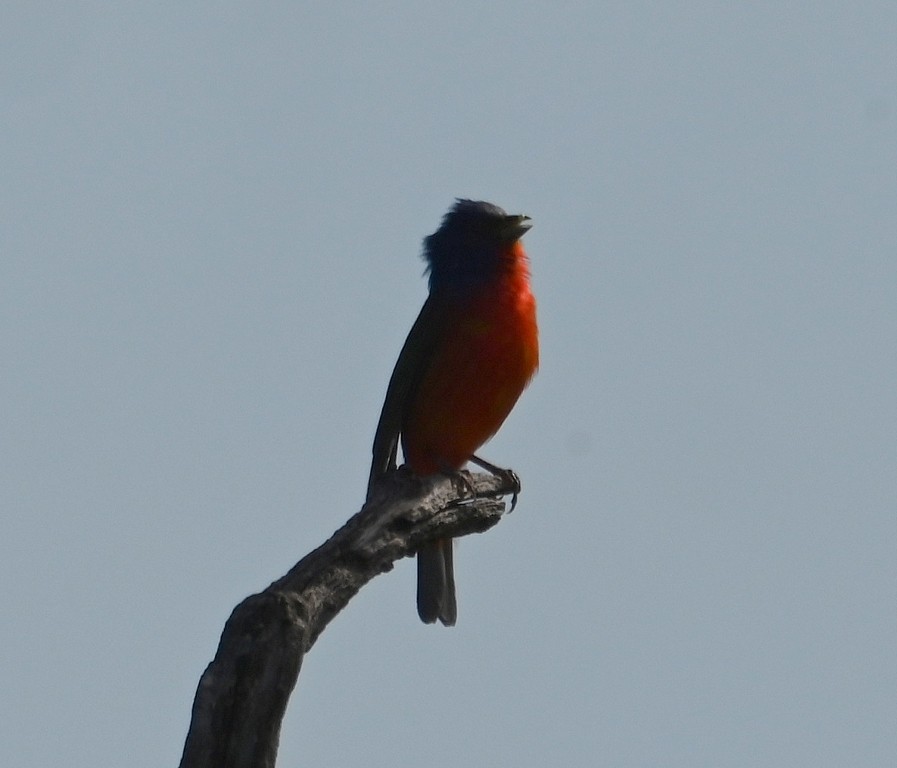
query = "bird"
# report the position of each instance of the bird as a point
(468, 357)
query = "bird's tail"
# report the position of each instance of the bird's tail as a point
(436, 583)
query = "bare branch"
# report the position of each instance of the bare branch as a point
(243, 693)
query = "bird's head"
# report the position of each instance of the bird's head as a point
(475, 241)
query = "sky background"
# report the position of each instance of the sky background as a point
(211, 221)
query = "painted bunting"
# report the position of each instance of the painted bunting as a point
(468, 357)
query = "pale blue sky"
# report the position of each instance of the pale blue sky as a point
(211, 222)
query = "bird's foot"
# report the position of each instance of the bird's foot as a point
(508, 476)
(459, 478)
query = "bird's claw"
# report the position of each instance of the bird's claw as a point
(508, 476)
(458, 477)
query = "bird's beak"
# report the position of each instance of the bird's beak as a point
(516, 227)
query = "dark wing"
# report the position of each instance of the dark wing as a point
(413, 360)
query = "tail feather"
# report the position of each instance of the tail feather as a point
(436, 583)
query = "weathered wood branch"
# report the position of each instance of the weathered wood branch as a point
(243, 693)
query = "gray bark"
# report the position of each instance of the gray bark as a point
(243, 693)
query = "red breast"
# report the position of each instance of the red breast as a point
(487, 353)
